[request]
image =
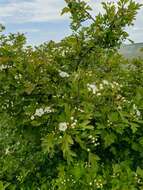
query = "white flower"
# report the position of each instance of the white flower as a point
(101, 86)
(92, 87)
(90, 136)
(134, 107)
(119, 107)
(138, 113)
(116, 83)
(2, 67)
(99, 94)
(74, 123)
(39, 112)
(63, 74)
(62, 126)
(32, 117)
(48, 110)
(7, 151)
(112, 85)
(72, 118)
(119, 96)
(81, 110)
(18, 143)
(105, 82)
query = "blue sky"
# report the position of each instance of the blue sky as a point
(40, 20)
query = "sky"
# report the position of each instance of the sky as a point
(40, 20)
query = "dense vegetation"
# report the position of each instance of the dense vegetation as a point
(71, 113)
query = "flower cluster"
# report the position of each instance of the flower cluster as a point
(137, 112)
(63, 126)
(92, 87)
(97, 89)
(18, 76)
(109, 123)
(41, 111)
(3, 67)
(74, 122)
(93, 140)
(98, 183)
(79, 109)
(112, 85)
(63, 74)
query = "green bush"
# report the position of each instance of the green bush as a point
(71, 113)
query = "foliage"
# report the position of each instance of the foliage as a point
(72, 112)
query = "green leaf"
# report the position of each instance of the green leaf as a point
(80, 142)
(134, 127)
(29, 87)
(93, 159)
(123, 116)
(78, 171)
(66, 143)
(109, 139)
(113, 116)
(1, 186)
(141, 141)
(36, 123)
(139, 172)
(65, 10)
(48, 143)
(85, 125)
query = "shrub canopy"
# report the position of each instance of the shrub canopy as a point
(71, 113)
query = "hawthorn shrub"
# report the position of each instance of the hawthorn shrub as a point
(71, 113)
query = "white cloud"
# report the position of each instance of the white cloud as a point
(23, 11)
(28, 11)
(31, 11)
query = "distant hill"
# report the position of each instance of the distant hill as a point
(132, 50)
